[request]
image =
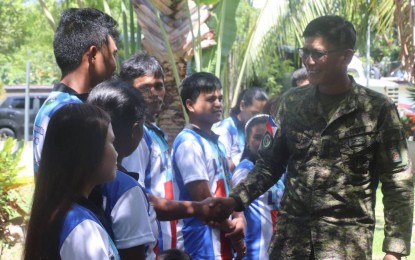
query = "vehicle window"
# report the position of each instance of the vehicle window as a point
(18, 103)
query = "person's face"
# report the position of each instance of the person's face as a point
(255, 137)
(207, 108)
(153, 92)
(323, 61)
(107, 168)
(105, 63)
(249, 111)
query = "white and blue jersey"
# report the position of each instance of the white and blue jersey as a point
(60, 96)
(132, 217)
(232, 135)
(83, 237)
(152, 161)
(260, 215)
(198, 156)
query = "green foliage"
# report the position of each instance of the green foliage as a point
(10, 200)
(26, 35)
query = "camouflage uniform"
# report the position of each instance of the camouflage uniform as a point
(333, 171)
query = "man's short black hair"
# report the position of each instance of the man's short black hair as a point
(78, 29)
(193, 85)
(334, 29)
(139, 65)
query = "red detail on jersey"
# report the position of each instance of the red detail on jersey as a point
(220, 188)
(225, 249)
(274, 214)
(168, 193)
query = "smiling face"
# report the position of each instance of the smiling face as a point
(328, 68)
(206, 109)
(153, 92)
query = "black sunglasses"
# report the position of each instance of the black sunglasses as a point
(315, 54)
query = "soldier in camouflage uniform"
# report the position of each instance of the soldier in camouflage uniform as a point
(337, 140)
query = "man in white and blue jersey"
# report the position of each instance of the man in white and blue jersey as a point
(151, 159)
(201, 170)
(83, 65)
(125, 201)
(84, 59)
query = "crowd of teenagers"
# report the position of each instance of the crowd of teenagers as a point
(287, 177)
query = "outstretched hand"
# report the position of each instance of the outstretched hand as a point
(216, 209)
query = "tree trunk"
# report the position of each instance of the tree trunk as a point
(171, 119)
(174, 15)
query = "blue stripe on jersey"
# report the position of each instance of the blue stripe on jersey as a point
(76, 215)
(113, 190)
(258, 216)
(55, 100)
(254, 230)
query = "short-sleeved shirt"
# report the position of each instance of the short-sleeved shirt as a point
(83, 237)
(61, 95)
(152, 161)
(260, 215)
(132, 216)
(198, 156)
(232, 135)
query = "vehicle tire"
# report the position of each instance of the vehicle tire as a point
(7, 132)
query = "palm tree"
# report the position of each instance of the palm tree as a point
(174, 21)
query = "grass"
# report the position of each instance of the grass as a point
(379, 235)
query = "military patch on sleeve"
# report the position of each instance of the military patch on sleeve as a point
(266, 141)
(394, 154)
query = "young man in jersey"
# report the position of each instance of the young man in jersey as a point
(151, 159)
(201, 170)
(84, 58)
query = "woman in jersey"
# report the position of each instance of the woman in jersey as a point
(262, 212)
(77, 155)
(231, 130)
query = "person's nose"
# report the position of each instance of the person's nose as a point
(308, 60)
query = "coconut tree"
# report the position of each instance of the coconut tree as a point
(174, 32)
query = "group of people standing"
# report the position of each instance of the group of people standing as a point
(108, 186)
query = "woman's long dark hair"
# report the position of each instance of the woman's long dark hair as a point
(248, 96)
(72, 152)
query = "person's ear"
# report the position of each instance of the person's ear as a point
(92, 53)
(348, 56)
(189, 105)
(242, 105)
(137, 131)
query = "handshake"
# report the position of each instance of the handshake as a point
(215, 211)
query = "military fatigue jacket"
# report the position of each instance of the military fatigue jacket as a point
(333, 170)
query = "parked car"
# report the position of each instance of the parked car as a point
(390, 89)
(12, 111)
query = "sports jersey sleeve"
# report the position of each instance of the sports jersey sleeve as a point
(88, 240)
(239, 175)
(226, 139)
(191, 162)
(138, 160)
(130, 220)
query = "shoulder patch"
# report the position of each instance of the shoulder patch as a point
(266, 141)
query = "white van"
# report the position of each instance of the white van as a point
(388, 88)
